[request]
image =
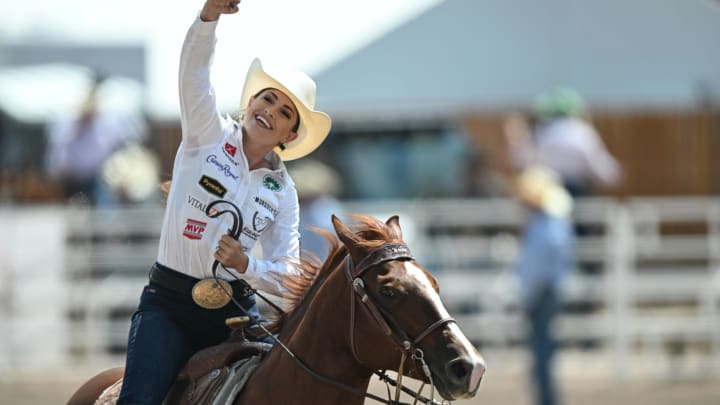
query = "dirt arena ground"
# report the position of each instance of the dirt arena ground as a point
(583, 380)
(495, 391)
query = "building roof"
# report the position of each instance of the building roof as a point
(495, 54)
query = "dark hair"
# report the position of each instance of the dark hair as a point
(297, 123)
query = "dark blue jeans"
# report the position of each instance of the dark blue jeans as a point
(168, 328)
(542, 343)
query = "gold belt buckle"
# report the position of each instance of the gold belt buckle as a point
(209, 293)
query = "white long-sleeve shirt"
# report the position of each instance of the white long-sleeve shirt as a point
(573, 149)
(78, 151)
(210, 165)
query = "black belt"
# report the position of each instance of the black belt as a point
(182, 283)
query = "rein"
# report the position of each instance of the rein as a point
(384, 253)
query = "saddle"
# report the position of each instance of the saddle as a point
(236, 347)
(215, 372)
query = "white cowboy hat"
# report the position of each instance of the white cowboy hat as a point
(540, 187)
(314, 125)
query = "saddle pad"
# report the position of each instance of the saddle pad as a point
(238, 374)
(110, 395)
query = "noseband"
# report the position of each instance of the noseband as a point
(385, 253)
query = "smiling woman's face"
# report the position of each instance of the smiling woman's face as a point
(270, 118)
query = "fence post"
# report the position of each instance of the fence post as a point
(621, 253)
(713, 289)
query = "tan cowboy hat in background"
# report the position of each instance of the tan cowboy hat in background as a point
(313, 178)
(133, 172)
(314, 125)
(540, 187)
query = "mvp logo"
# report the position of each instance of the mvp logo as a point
(194, 229)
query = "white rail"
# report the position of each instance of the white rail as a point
(646, 281)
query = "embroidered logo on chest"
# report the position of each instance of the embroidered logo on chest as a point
(260, 222)
(259, 201)
(271, 183)
(223, 168)
(212, 186)
(196, 203)
(230, 150)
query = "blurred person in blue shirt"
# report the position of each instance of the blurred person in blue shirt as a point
(545, 260)
(318, 187)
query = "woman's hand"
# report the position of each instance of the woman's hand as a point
(230, 253)
(213, 8)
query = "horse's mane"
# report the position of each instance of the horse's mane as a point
(313, 273)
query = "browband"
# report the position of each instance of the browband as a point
(384, 253)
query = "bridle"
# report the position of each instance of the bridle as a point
(385, 253)
(406, 345)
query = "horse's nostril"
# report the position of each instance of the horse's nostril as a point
(459, 370)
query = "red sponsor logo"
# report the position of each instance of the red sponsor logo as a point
(230, 149)
(194, 229)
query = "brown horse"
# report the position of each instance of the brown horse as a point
(369, 307)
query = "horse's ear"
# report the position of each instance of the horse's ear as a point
(348, 238)
(393, 224)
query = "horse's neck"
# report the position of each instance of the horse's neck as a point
(320, 340)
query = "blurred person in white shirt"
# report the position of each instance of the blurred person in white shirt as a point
(560, 138)
(79, 145)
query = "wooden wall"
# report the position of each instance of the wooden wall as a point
(662, 153)
(165, 140)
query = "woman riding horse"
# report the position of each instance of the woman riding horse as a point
(183, 309)
(369, 307)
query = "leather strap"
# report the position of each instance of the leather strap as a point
(382, 254)
(184, 284)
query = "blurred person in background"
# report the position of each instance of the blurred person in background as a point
(318, 187)
(559, 137)
(130, 176)
(79, 145)
(182, 309)
(544, 262)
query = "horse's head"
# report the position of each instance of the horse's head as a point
(396, 303)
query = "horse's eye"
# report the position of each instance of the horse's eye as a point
(387, 292)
